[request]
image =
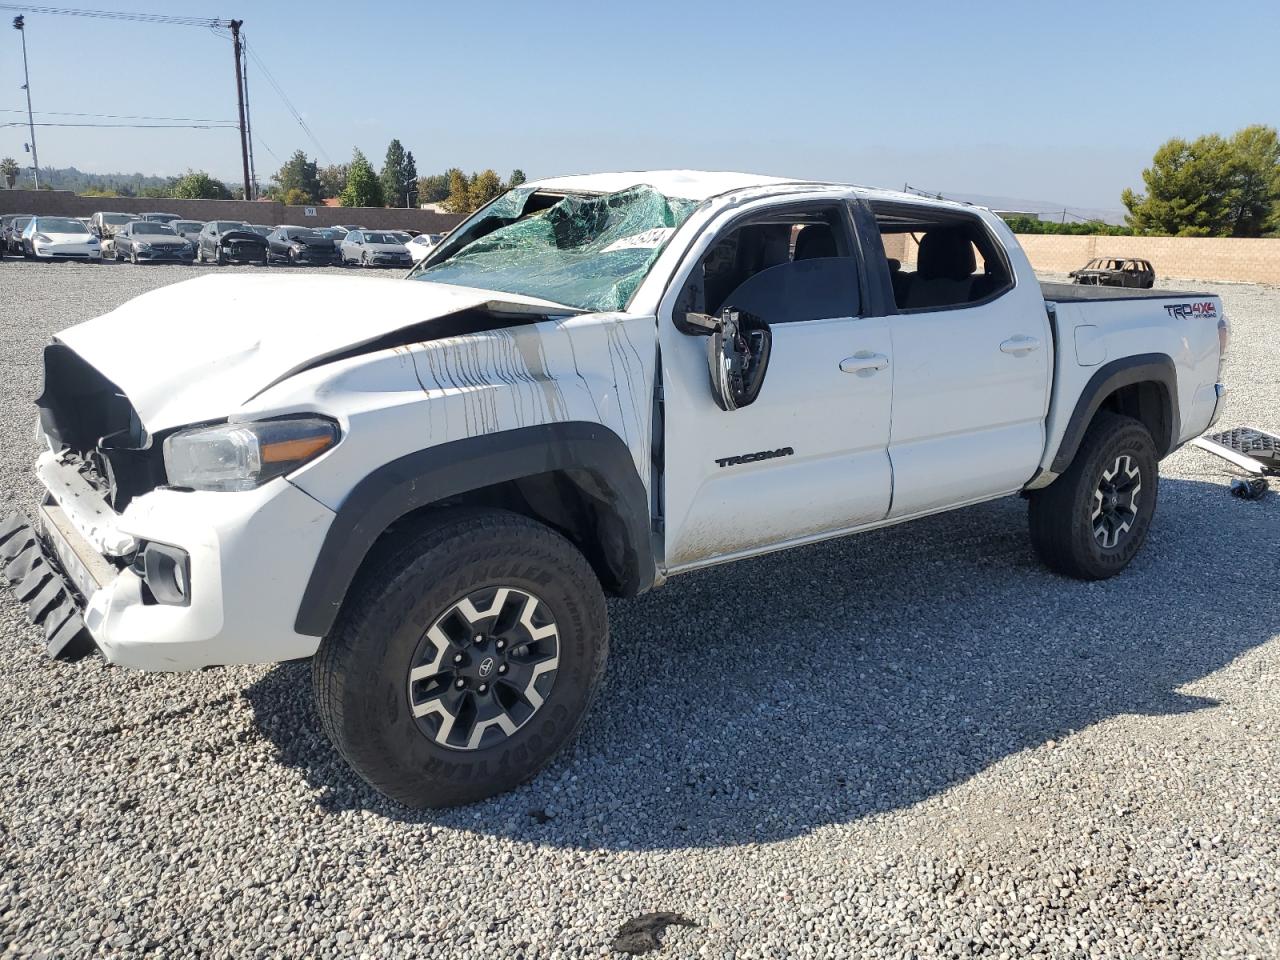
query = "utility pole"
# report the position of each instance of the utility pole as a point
(19, 24)
(235, 26)
(248, 126)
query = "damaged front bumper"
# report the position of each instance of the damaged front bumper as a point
(40, 581)
(178, 581)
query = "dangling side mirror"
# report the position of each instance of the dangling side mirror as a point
(738, 347)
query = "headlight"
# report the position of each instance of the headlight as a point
(142, 245)
(241, 456)
(42, 238)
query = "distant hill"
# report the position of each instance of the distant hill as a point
(1044, 209)
(125, 184)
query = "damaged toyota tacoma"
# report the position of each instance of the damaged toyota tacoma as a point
(429, 486)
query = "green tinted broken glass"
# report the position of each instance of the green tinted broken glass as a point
(585, 252)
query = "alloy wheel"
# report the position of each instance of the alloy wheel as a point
(1115, 501)
(484, 668)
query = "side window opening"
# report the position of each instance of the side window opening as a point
(939, 259)
(784, 267)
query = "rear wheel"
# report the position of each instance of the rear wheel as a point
(1092, 520)
(464, 660)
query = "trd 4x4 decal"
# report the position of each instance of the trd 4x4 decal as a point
(1204, 309)
(753, 457)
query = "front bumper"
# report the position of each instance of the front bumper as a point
(244, 253)
(68, 251)
(250, 557)
(167, 256)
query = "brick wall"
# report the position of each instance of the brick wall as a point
(1193, 258)
(66, 204)
(1190, 258)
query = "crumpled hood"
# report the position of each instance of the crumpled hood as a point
(198, 350)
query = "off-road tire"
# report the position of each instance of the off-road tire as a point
(1062, 514)
(361, 672)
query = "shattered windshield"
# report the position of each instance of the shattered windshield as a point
(588, 252)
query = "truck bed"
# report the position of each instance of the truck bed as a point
(1081, 293)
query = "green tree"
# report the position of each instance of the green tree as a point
(399, 177)
(9, 171)
(333, 180)
(198, 185)
(433, 188)
(299, 172)
(484, 187)
(294, 197)
(517, 177)
(363, 188)
(458, 200)
(392, 176)
(409, 180)
(1210, 187)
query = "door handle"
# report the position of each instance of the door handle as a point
(1020, 345)
(864, 361)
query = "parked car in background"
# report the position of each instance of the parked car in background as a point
(300, 245)
(422, 244)
(401, 236)
(105, 223)
(261, 229)
(348, 227)
(188, 229)
(146, 240)
(373, 248)
(1116, 272)
(331, 233)
(50, 238)
(155, 217)
(5, 221)
(13, 232)
(230, 241)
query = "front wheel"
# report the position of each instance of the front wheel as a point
(464, 660)
(1091, 521)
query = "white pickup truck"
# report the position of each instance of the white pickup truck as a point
(430, 485)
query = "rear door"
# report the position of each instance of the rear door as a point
(972, 361)
(808, 457)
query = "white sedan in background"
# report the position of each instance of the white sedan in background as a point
(423, 244)
(49, 238)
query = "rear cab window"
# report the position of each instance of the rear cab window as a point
(940, 258)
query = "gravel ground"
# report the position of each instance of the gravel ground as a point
(999, 762)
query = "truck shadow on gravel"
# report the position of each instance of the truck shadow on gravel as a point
(760, 700)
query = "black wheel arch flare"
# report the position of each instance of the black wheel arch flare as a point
(1157, 368)
(451, 469)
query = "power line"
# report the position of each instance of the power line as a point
(118, 15)
(117, 116)
(132, 126)
(288, 104)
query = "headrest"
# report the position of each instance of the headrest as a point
(946, 254)
(814, 241)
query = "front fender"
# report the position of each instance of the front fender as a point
(432, 475)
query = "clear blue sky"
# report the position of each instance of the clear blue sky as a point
(1035, 100)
